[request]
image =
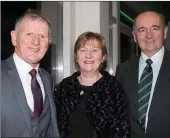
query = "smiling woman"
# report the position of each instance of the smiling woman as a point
(90, 53)
(91, 103)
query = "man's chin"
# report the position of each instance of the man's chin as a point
(33, 63)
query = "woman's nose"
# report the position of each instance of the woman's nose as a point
(88, 54)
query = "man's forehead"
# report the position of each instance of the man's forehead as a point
(33, 22)
(148, 21)
(29, 20)
(148, 16)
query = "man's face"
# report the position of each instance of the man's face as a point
(31, 40)
(149, 33)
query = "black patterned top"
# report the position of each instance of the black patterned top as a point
(106, 107)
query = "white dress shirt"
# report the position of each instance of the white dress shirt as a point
(157, 61)
(23, 69)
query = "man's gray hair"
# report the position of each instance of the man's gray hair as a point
(161, 16)
(33, 15)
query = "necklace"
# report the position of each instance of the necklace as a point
(88, 82)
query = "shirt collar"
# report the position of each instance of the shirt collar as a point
(155, 58)
(23, 67)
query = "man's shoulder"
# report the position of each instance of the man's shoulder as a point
(167, 52)
(166, 59)
(130, 62)
(4, 65)
(44, 72)
(7, 63)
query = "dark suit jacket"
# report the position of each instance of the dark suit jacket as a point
(15, 120)
(159, 113)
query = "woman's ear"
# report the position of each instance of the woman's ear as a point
(104, 58)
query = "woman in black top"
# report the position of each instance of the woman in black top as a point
(90, 103)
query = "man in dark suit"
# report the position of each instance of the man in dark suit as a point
(28, 108)
(146, 79)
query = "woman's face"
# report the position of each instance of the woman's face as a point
(89, 56)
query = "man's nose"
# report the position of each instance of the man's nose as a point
(36, 40)
(149, 34)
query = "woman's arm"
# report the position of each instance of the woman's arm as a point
(121, 112)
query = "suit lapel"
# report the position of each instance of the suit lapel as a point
(46, 83)
(162, 82)
(48, 90)
(19, 91)
(159, 110)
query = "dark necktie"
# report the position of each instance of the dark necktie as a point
(37, 94)
(145, 85)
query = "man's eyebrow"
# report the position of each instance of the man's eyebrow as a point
(156, 26)
(146, 27)
(141, 28)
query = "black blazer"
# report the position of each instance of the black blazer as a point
(106, 106)
(159, 114)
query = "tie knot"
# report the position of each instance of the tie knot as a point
(149, 61)
(33, 73)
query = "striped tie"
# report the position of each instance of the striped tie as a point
(145, 85)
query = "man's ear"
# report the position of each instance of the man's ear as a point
(14, 37)
(165, 32)
(134, 36)
(50, 41)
